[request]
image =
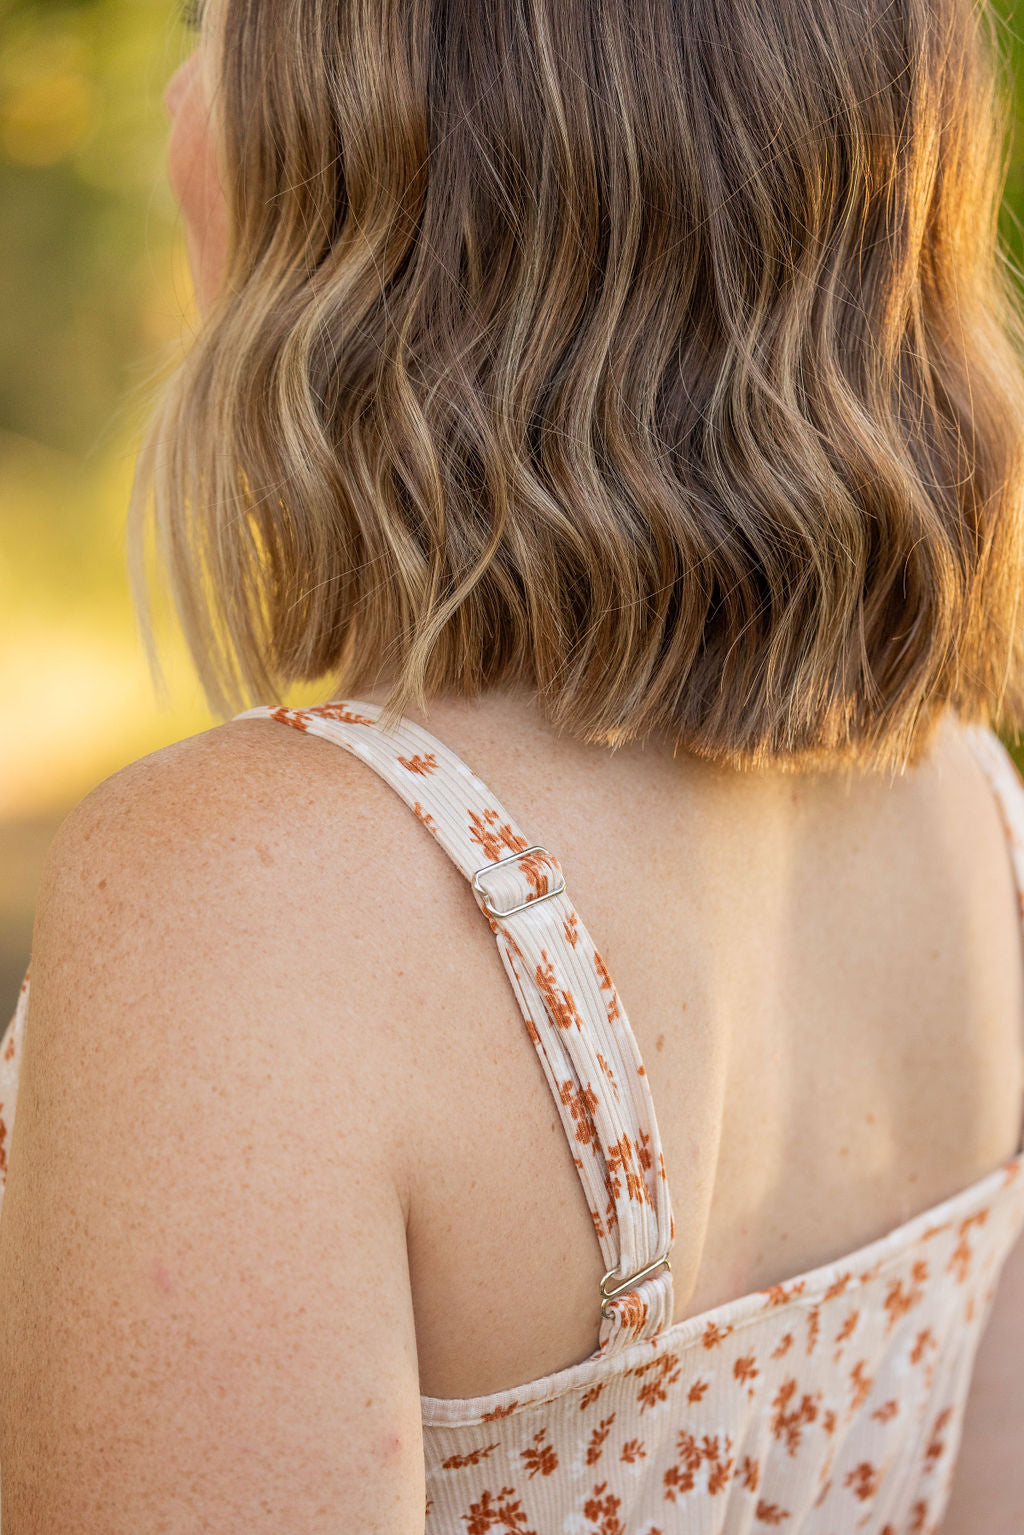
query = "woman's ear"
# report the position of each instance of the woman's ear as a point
(192, 167)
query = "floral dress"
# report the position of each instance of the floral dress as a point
(829, 1404)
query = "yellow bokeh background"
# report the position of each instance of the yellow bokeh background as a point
(97, 303)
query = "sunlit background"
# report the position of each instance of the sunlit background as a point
(96, 302)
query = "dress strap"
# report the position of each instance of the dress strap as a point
(1008, 793)
(570, 1005)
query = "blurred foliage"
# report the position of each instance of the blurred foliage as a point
(97, 302)
(88, 218)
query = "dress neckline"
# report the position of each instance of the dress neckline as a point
(808, 1289)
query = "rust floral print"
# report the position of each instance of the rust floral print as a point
(728, 1421)
(830, 1401)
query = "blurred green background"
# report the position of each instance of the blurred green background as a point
(96, 303)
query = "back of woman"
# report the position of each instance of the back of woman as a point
(574, 1078)
(825, 984)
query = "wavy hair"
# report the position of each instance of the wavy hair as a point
(658, 355)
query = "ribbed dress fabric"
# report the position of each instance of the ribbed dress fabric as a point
(829, 1404)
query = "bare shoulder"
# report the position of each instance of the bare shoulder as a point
(246, 784)
(264, 838)
(241, 880)
(956, 793)
(206, 1116)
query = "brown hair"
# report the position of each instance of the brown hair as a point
(657, 354)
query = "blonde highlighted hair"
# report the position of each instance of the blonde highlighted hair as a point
(660, 355)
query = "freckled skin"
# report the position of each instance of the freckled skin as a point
(161, 1278)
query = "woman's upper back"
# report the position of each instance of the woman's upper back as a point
(824, 983)
(835, 1047)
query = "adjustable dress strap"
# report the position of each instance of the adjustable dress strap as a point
(572, 1010)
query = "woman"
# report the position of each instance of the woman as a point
(619, 405)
